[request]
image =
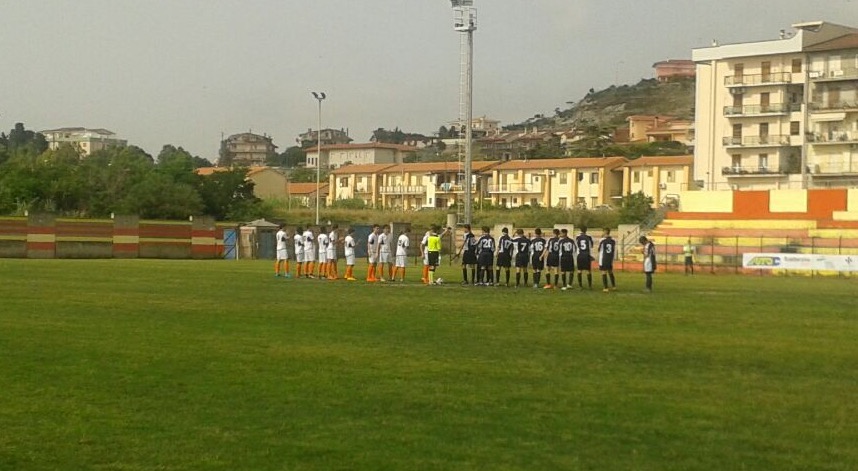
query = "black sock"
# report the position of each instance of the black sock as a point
(497, 275)
(613, 281)
(556, 279)
(537, 277)
(580, 281)
(605, 280)
(649, 281)
(464, 274)
(473, 274)
(507, 277)
(525, 277)
(564, 278)
(589, 279)
(518, 279)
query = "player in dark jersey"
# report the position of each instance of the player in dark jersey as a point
(551, 255)
(485, 258)
(522, 254)
(468, 252)
(607, 252)
(567, 259)
(537, 247)
(504, 260)
(584, 244)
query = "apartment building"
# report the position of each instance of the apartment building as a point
(661, 178)
(361, 182)
(777, 114)
(335, 156)
(85, 140)
(329, 137)
(564, 183)
(246, 149)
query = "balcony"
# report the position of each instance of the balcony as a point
(773, 78)
(832, 169)
(516, 188)
(772, 140)
(403, 190)
(761, 110)
(362, 189)
(755, 171)
(833, 138)
(453, 188)
(834, 75)
(842, 106)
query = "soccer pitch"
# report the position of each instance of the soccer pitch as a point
(218, 365)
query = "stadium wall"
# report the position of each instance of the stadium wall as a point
(47, 236)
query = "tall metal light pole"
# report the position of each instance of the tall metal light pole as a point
(465, 22)
(319, 97)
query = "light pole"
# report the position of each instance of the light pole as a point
(319, 96)
(465, 23)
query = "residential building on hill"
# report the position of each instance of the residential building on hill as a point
(85, 140)
(661, 177)
(513, 145)
(780, 113)
(336, 156)
(656, 128)
(329, 137)
(670, 69)
(246, 149)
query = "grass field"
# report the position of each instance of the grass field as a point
(216, 365)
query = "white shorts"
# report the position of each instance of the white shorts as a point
(323, 256)
(401, 260)
(282, 254)
(309, 256)
(384, 257)
(332, 255)
(372, 260)
(350, 259)
(299, 257)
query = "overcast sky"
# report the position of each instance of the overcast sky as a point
(182, 72)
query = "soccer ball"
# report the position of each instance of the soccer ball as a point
(439, 281)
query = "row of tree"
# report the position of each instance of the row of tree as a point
(119, 180)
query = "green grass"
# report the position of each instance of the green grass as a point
(216, 365)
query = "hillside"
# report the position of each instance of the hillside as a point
(611, 106)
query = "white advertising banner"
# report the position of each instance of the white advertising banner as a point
(798, 261)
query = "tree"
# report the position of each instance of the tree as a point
(224, 193)
(307, 175)
(594, 142)
(636, 208)
(290, 158)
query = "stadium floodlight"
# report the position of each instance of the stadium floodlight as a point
(465, 23)
(318, 96)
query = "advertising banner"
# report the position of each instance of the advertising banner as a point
(791, 261)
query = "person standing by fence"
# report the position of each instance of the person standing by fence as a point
(688, 250)
(649, 263)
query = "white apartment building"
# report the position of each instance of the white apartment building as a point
(85, 140)
(780, 113)
(338, 155)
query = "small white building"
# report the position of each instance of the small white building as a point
(338, 155)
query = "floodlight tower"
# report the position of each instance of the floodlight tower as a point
(465, 22)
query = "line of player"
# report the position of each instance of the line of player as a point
(558, 256)
(484, 257)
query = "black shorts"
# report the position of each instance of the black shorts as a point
(538, 263)
(485, 259)
(553, 260)
(607, 267)
(433, 258)
(689, 261)
(585, 262)
(504, 260)
(521, 260)
(567, 264)
(469, 258)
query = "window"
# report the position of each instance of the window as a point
(580, 177)
(562, 202)
(503, 202)
(736, 162)
(344, 182)
(594, 201)
(563, 177)
(796, 66)
(533, 202)
(582, 202)
(515, 201)
(594, 178)
(794, 128)
(636, 176)
(671, 176)
(764, 161)
(649, 173)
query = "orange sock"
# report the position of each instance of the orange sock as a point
(309, 270)
(277, 267)
(370, 274)
(425, 272)
(287, 267)
(390, 272)
(402, 277)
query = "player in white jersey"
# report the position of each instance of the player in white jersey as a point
(309, 253)
(402, 244)
(372, 253)
(282, 252)
(333, 241)
(384, 241)
(349, 250)
(322, 239)
(298, 240)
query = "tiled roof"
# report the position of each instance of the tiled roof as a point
(364, 168)
(653, 161)
(573, 162)
(437, 167)
(367, 145)
(205, 171)
(847, 41)
(306, 188)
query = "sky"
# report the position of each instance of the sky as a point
(185, 72)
